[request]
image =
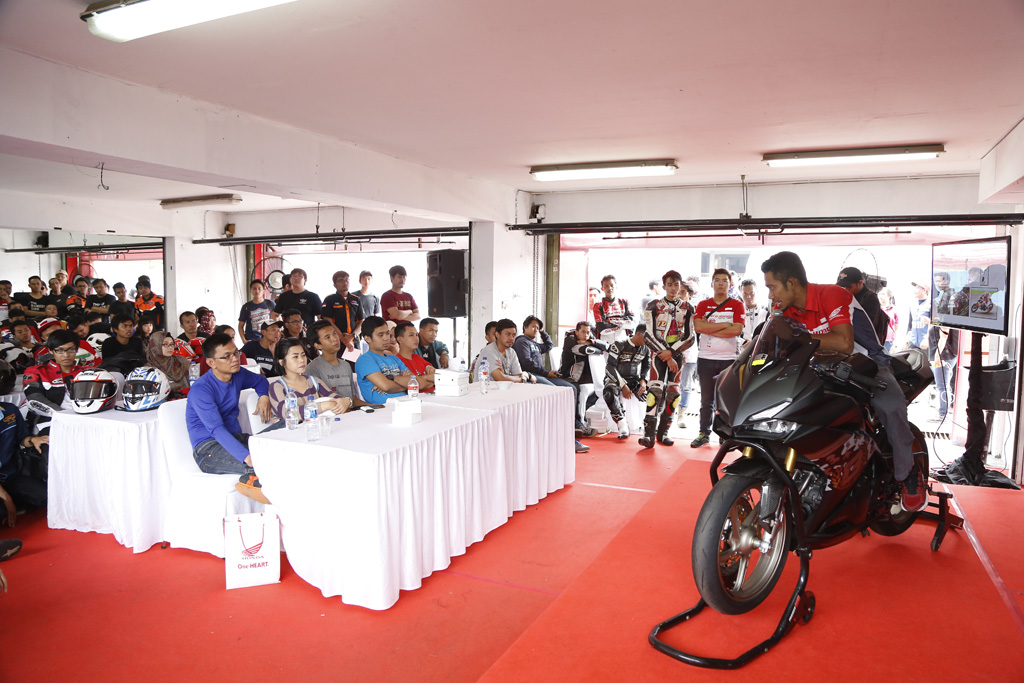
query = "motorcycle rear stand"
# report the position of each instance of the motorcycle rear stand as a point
(800, 609)
(945, 520)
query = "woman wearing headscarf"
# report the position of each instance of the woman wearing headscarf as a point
(160, 355)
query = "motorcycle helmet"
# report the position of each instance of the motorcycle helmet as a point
(93, 390)
(96, 340)
(48, 325)
(7, 377)
(145, 389)
(17, 356)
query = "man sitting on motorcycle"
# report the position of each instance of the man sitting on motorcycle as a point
(831, 314)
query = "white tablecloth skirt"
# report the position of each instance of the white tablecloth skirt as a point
(538, 425)
(102, 476)
(375, 508)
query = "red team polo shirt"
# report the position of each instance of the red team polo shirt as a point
(827, 306)
(720, 348)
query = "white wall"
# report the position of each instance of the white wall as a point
(18, 268)
(909, 196)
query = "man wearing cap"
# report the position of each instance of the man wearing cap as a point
(852, 280)
(65, 289)
(262, 350)
(841, 325)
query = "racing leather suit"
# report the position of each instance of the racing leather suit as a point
(628, 366)
(612, 314)
(669, 328)
(47, 385)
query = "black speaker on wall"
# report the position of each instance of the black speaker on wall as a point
(446, 283)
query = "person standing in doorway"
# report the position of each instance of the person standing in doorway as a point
(719, 320)
(369, 304)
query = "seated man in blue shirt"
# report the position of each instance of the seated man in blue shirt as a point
(380, 377)
(219, 446)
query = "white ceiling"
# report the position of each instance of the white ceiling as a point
(35, 176)
(490, 88)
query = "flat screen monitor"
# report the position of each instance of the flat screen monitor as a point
(969, 281)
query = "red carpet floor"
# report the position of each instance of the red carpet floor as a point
(566, 590)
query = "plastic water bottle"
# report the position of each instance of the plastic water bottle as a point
(462, 365)
(312, 422)
(193, 373)
(291, 410)
(484, 378)
(414, 387)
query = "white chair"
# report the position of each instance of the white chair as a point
(256, 423)
(198, 502)
(252, 366)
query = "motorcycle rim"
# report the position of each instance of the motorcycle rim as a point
(732, 574)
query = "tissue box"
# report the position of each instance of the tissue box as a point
(451, 383)
(450, 378)
(451, 389)
(408, 411)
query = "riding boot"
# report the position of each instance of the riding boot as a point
(650, 426)
(663, 438)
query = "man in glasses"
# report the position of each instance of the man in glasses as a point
(46, 384)
(218, 444)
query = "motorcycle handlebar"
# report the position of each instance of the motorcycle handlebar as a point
(844, 373)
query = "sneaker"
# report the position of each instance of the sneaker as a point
(701, 440)
(623, 430)
(914, 491)
(249, 486)
(9, 547)
(586, 431)
(580, 448)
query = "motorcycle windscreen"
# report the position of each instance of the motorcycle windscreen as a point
(779, 337)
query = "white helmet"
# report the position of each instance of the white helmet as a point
(93, 390)
(145, 389)
(16, 355)
(96, 340)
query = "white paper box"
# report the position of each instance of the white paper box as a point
(408, 411)
(451, 389)
(252, 550)
(450, 378)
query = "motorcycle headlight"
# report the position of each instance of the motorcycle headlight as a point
(769, 413)
(774, 426)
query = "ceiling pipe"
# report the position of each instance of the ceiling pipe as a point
(754, 225)
(456, 231)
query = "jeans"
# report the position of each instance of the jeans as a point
(707, 371)
(559, 382)
(944, 384)
(213, 458)
(891, 408)
(27, 493)
(686, 385)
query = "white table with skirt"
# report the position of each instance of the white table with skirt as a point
(539, 436)
(374, 508)
(106, 475)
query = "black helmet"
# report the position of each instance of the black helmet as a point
(7, 377)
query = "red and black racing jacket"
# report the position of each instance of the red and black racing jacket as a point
(46, 384)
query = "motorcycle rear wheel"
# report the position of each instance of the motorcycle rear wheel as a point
(732, 574)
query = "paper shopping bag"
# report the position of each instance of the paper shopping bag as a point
(252, 550)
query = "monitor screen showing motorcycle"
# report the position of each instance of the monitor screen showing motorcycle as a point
(969, 281)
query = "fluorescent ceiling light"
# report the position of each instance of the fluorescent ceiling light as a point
(203, 200)
(124, 20)
(609, 169)
(853, 156)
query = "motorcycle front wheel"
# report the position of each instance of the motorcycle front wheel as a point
(733, 574)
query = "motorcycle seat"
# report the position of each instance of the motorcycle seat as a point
(910, 361)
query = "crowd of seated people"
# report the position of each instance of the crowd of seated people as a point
(296, 343)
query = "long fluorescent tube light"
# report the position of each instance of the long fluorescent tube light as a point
(124, 20)
(609, 169)
(853, 156)
(203, 200)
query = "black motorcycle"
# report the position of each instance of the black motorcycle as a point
(815, 469)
